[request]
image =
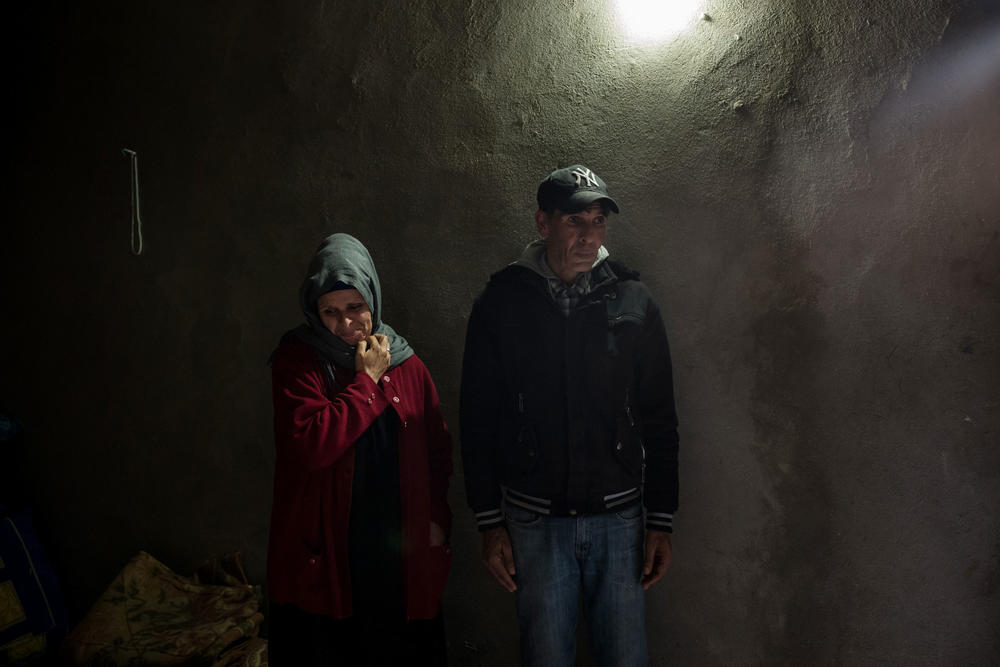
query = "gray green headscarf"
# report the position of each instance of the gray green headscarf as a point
(341, 258)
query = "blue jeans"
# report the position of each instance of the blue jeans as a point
(557, 558)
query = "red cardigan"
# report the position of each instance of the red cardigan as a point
(314, 471)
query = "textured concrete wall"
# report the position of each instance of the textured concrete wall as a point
(816, 206)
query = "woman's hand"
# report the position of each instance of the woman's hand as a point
(372, 356)
(438, 538)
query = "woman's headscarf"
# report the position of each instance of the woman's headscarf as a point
(341, 258)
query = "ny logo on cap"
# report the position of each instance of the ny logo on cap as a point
(583, 173)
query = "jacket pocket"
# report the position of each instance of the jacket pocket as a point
(527, 449)
(310, 563)
(524, 448)
(629, 450)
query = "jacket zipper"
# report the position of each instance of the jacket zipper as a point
(628, 409)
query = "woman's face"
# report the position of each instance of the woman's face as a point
(346, 315)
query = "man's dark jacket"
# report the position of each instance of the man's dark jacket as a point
(568, 414)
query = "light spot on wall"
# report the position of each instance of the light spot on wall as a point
(656, 20)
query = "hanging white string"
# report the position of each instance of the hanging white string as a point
(136, 224)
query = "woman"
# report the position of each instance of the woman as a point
(357, 557)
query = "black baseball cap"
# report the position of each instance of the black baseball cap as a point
(573, 189)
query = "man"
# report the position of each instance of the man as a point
(568, 429)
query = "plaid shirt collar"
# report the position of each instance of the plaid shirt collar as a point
(568, 295)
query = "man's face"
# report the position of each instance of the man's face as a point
(346, 315)
(572, 239)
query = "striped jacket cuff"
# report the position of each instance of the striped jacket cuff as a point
(489, 519)
(659, 521)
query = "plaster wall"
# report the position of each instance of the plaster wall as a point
(815, 204)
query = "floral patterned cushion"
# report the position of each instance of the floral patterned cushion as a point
(151, 616)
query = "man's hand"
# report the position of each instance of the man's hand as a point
(498, 557)
(372, 356)
(658, 555)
